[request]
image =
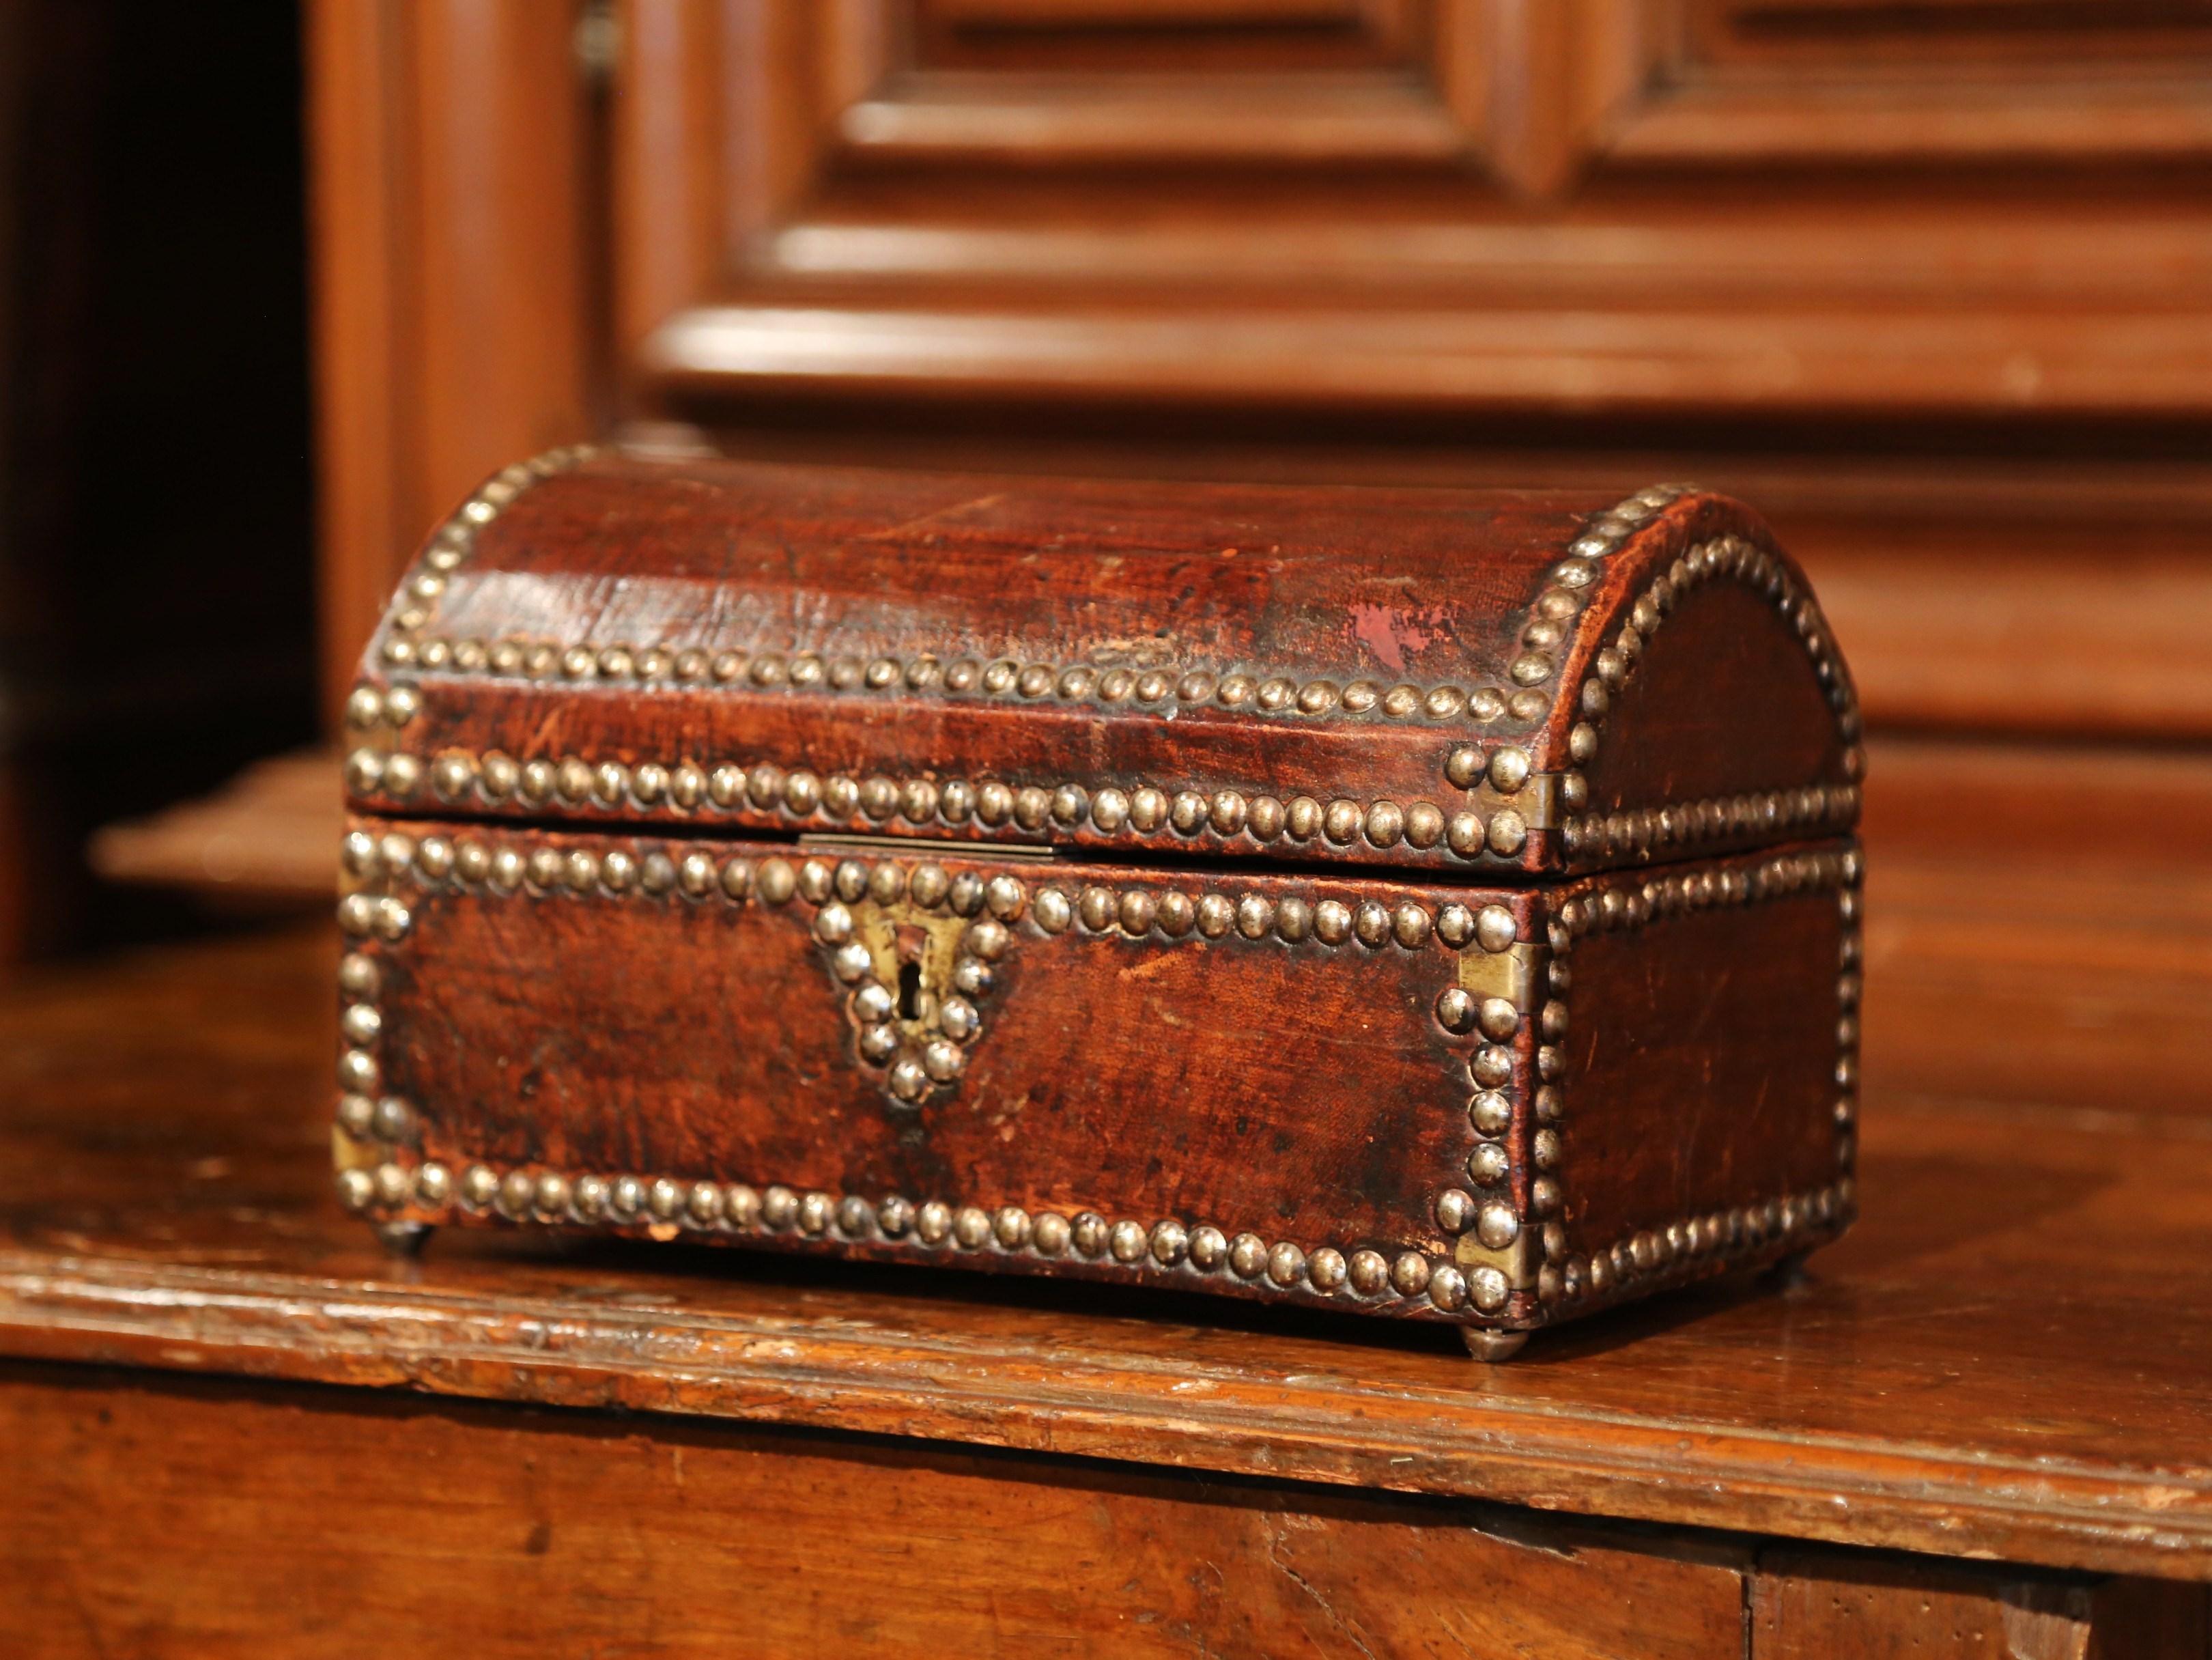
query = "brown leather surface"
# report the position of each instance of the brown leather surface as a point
(1302, 1091)
(1722, 704)
(1699, 1066)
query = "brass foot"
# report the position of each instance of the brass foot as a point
(1788, 1271)
(1494, 1347)
(404, 1240)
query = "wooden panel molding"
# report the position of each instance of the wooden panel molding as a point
(1466, 206)
(1285, 83)
(1534, 89)
(448, 149)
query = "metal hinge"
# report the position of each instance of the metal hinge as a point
(1517, 1261)
(1537, 800)
(911, 846)
(1516, 974)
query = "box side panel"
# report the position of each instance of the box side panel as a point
(1703, 1054)
(1717, 715)
(1724, 701)
(1244, 1080)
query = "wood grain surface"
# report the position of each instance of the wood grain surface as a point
(189, 1517)
(197, 1518)
(1952, 1378)
(1810, 1605)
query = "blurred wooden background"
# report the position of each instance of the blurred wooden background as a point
(1927, 280)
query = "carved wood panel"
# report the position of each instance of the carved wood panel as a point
(1632, 205)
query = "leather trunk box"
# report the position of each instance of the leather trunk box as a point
(1433, 904)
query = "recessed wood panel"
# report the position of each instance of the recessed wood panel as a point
(1152, 35)
(1900, 82)
(1008, 84)
(2066, 35)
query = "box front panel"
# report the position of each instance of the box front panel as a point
(1257, 1080)
(1489, 1105)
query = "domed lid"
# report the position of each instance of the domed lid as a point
(1484, 681)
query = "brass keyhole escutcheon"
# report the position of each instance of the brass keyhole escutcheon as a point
(920, 978)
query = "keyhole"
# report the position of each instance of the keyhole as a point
(910, 992)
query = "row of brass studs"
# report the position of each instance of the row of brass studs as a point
(454, 541)
(1769, 813)
(1551, 624)
(1848, 990)
(361, 1114)
(521, 1195)
(457, 778)
(505, 867)
(1653, 1253)
(460, 778)
(365, 913)
(1634, 904)
(1493, 1218)
(1170, 691)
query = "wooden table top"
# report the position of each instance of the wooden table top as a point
(2011, 1357)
